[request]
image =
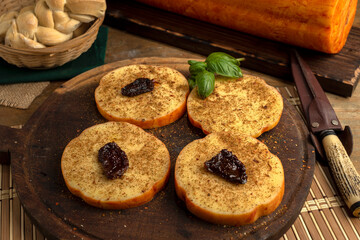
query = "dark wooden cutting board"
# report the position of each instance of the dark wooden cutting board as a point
(337, 73)
(36, 151)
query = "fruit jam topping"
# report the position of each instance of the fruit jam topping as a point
(113, 160)
(137, 87)
(227, 166)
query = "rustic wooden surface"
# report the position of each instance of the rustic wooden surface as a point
(337, 73)
(42, 191)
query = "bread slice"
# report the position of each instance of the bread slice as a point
(162, 106)
(217, 200)
(148, 171)
(246, 105)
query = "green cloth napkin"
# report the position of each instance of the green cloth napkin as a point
(94, 57)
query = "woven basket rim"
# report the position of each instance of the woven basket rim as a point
(63, 47)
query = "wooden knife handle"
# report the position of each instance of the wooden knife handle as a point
(345, 174)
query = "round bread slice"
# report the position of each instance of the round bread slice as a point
(247, 105)
(214, 199)
(163, 105)
(148, 171)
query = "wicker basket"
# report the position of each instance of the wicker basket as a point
(48, 57)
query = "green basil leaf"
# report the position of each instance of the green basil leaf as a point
(216, 56)
(192, 82)
(205, 82)
(197, 67)
(224, 68)
(203, 73)
(223, 64)
(191, 62)
(240, 73)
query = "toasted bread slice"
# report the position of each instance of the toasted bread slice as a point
(162, 106)
(246, 105)
(148, 171)
(217, 200)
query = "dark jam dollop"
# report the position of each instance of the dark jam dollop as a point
(137, 87)
(228, 166)
(113, 160)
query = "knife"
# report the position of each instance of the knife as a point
(326, 132)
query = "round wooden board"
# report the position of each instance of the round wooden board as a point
(37, 148)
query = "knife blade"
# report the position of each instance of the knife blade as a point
(324, 127)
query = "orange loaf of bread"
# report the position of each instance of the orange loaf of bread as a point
(147, 173)
(321, 25)
(217, 200)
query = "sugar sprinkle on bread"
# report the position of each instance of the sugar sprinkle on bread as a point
(157, 108)
(247, 105)
(148, 171)
(217, 200)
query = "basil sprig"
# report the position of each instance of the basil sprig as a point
(203, 73)
(206, 83)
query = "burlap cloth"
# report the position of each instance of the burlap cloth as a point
(20, 95)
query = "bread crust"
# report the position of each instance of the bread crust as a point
(152, 123)
(164, 105)
(56, 5)
(247, 105)
(44, 14)
(206, 181)
(83, 173)
(319, 25)
(129, 203)
(230, 219)
(94, 8)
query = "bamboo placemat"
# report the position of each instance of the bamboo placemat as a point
(323, 216)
